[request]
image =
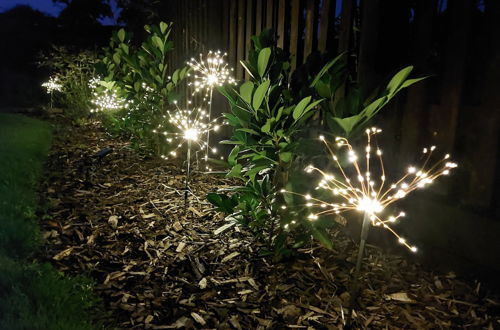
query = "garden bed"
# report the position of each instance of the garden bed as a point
(121, 220)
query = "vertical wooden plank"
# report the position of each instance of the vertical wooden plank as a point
(258, 17)
(417, 100)
(309, 29)
(346, 20)
(240, 53)
(269, 14)
(225, 25)
(482, 129)
(249, 27)
(294, 30)
(323, 25)
(281, 23)
(368, 44)
(445, 121)
(233, 20)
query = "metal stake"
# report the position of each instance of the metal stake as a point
(209, 118)
(188, 172)
(364, 234)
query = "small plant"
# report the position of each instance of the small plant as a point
(73, 70)
(270, 121)
(347, 110)
(266, 121)
(142, 76)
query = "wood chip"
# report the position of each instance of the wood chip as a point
(230, 256)
(198, 318)
(223, 228)
(180, 247)
(63, 254)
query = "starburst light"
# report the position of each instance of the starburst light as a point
(358, 189)
(53, 85)
(190, 124)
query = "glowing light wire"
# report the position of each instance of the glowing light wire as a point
(208, 74)
(52, 85)
(359, 190)
(191, 125)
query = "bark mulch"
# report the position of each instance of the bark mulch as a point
(120, 219)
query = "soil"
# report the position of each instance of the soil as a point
(120, 219)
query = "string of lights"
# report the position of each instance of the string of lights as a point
(208, 74)
(359, 190)
(53, 85)
(190, 124)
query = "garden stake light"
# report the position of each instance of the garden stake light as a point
(52, 85)
(210, 73)
(191, 125)
(359, 191)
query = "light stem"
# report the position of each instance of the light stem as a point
(188, 172)
(364, 234)
(209, 118)
(355, 281)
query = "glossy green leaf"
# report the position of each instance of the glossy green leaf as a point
(259, 95)
(246, 92)
(322, 236)
(263, 60)
(266, 128)
(348, 123)
(299, 109)
(285, 156)
(248, 130)
(175, 77)
(398, 79)
(163, 27)
(231, 159)
(235, 171)
(158, 43)
(410, 82)
(121, 35)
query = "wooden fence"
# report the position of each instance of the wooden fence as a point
(303, 26)
(397, 32)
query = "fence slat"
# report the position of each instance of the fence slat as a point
(240, 52)
(346, 25)
(281, 23)
(248, 30)
(233, 20)
(294, 31)
(269, 14)
(323, 25)
(309, 29)
(258, 17)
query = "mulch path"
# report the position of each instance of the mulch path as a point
(121, 221)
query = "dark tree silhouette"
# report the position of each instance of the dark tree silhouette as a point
(84, 12)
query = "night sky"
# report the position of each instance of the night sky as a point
(49, 7)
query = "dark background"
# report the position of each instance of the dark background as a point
(456, 222)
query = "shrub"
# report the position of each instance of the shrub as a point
(73, 70)
(142, 75)
(270, 122)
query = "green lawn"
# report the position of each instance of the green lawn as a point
(32, 295)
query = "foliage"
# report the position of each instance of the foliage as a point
(266, 121)
(74, 72)
(271, 115)
(142, 73)
(347, 110)
(32, 296)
